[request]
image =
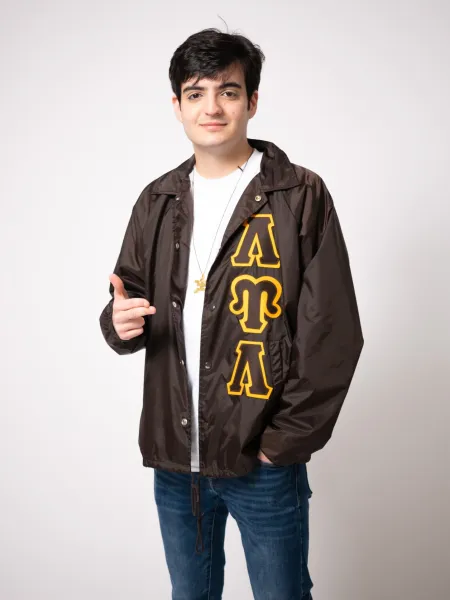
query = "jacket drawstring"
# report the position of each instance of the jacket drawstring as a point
(196, 511)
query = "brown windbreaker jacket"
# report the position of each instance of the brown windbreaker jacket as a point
(281, 334)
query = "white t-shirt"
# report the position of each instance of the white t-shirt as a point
(210, 199)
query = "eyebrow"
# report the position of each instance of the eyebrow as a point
(226, 84)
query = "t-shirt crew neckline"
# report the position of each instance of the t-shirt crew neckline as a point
(212, 180)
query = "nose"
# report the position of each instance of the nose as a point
(212, 106)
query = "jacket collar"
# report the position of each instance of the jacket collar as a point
(277, 172)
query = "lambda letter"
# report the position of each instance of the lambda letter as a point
(249, 372)
(256, 244)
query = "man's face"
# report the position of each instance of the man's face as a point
(223, 102)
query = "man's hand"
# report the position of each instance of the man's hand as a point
(263, 457)
(128, 313)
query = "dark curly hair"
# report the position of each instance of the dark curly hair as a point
(209, 53)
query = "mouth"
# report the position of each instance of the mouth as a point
(213, 126)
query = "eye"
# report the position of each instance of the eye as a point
(192, 95)
(233, 94)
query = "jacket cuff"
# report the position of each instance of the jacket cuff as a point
(110, 334)
(281, 450)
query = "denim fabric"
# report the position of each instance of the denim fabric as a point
(271, 508)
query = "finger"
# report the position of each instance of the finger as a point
(123, 316)
(128, 325)
(129, 335)
(119, 288)
(127, 303)
(124, 328)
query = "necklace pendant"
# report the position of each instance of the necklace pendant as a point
(201, 284)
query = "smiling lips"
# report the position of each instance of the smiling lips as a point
(213, 126)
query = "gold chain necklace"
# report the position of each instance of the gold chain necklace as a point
(201, 283)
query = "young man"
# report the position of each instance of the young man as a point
(235, 278)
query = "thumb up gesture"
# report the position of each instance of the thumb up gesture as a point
(128, 313)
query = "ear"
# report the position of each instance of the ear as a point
(176, 108)
(253, 104)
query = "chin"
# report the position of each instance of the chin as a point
(213, 142)
(209, 141)
(215, 139)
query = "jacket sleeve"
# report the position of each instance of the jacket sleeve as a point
(130, 268)
(327, 343)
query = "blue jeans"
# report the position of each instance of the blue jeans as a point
(271, 507)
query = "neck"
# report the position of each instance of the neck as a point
(213, 165)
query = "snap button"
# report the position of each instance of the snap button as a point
(182, 362)
(177, 198)
(184, 422)
(207, 365)
(174, 304)
(257, 198)
(213, 307)
(177, 246)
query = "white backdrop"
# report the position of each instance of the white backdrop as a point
(356, 91)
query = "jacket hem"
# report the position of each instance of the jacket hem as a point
(206, 472)
(177, 468)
